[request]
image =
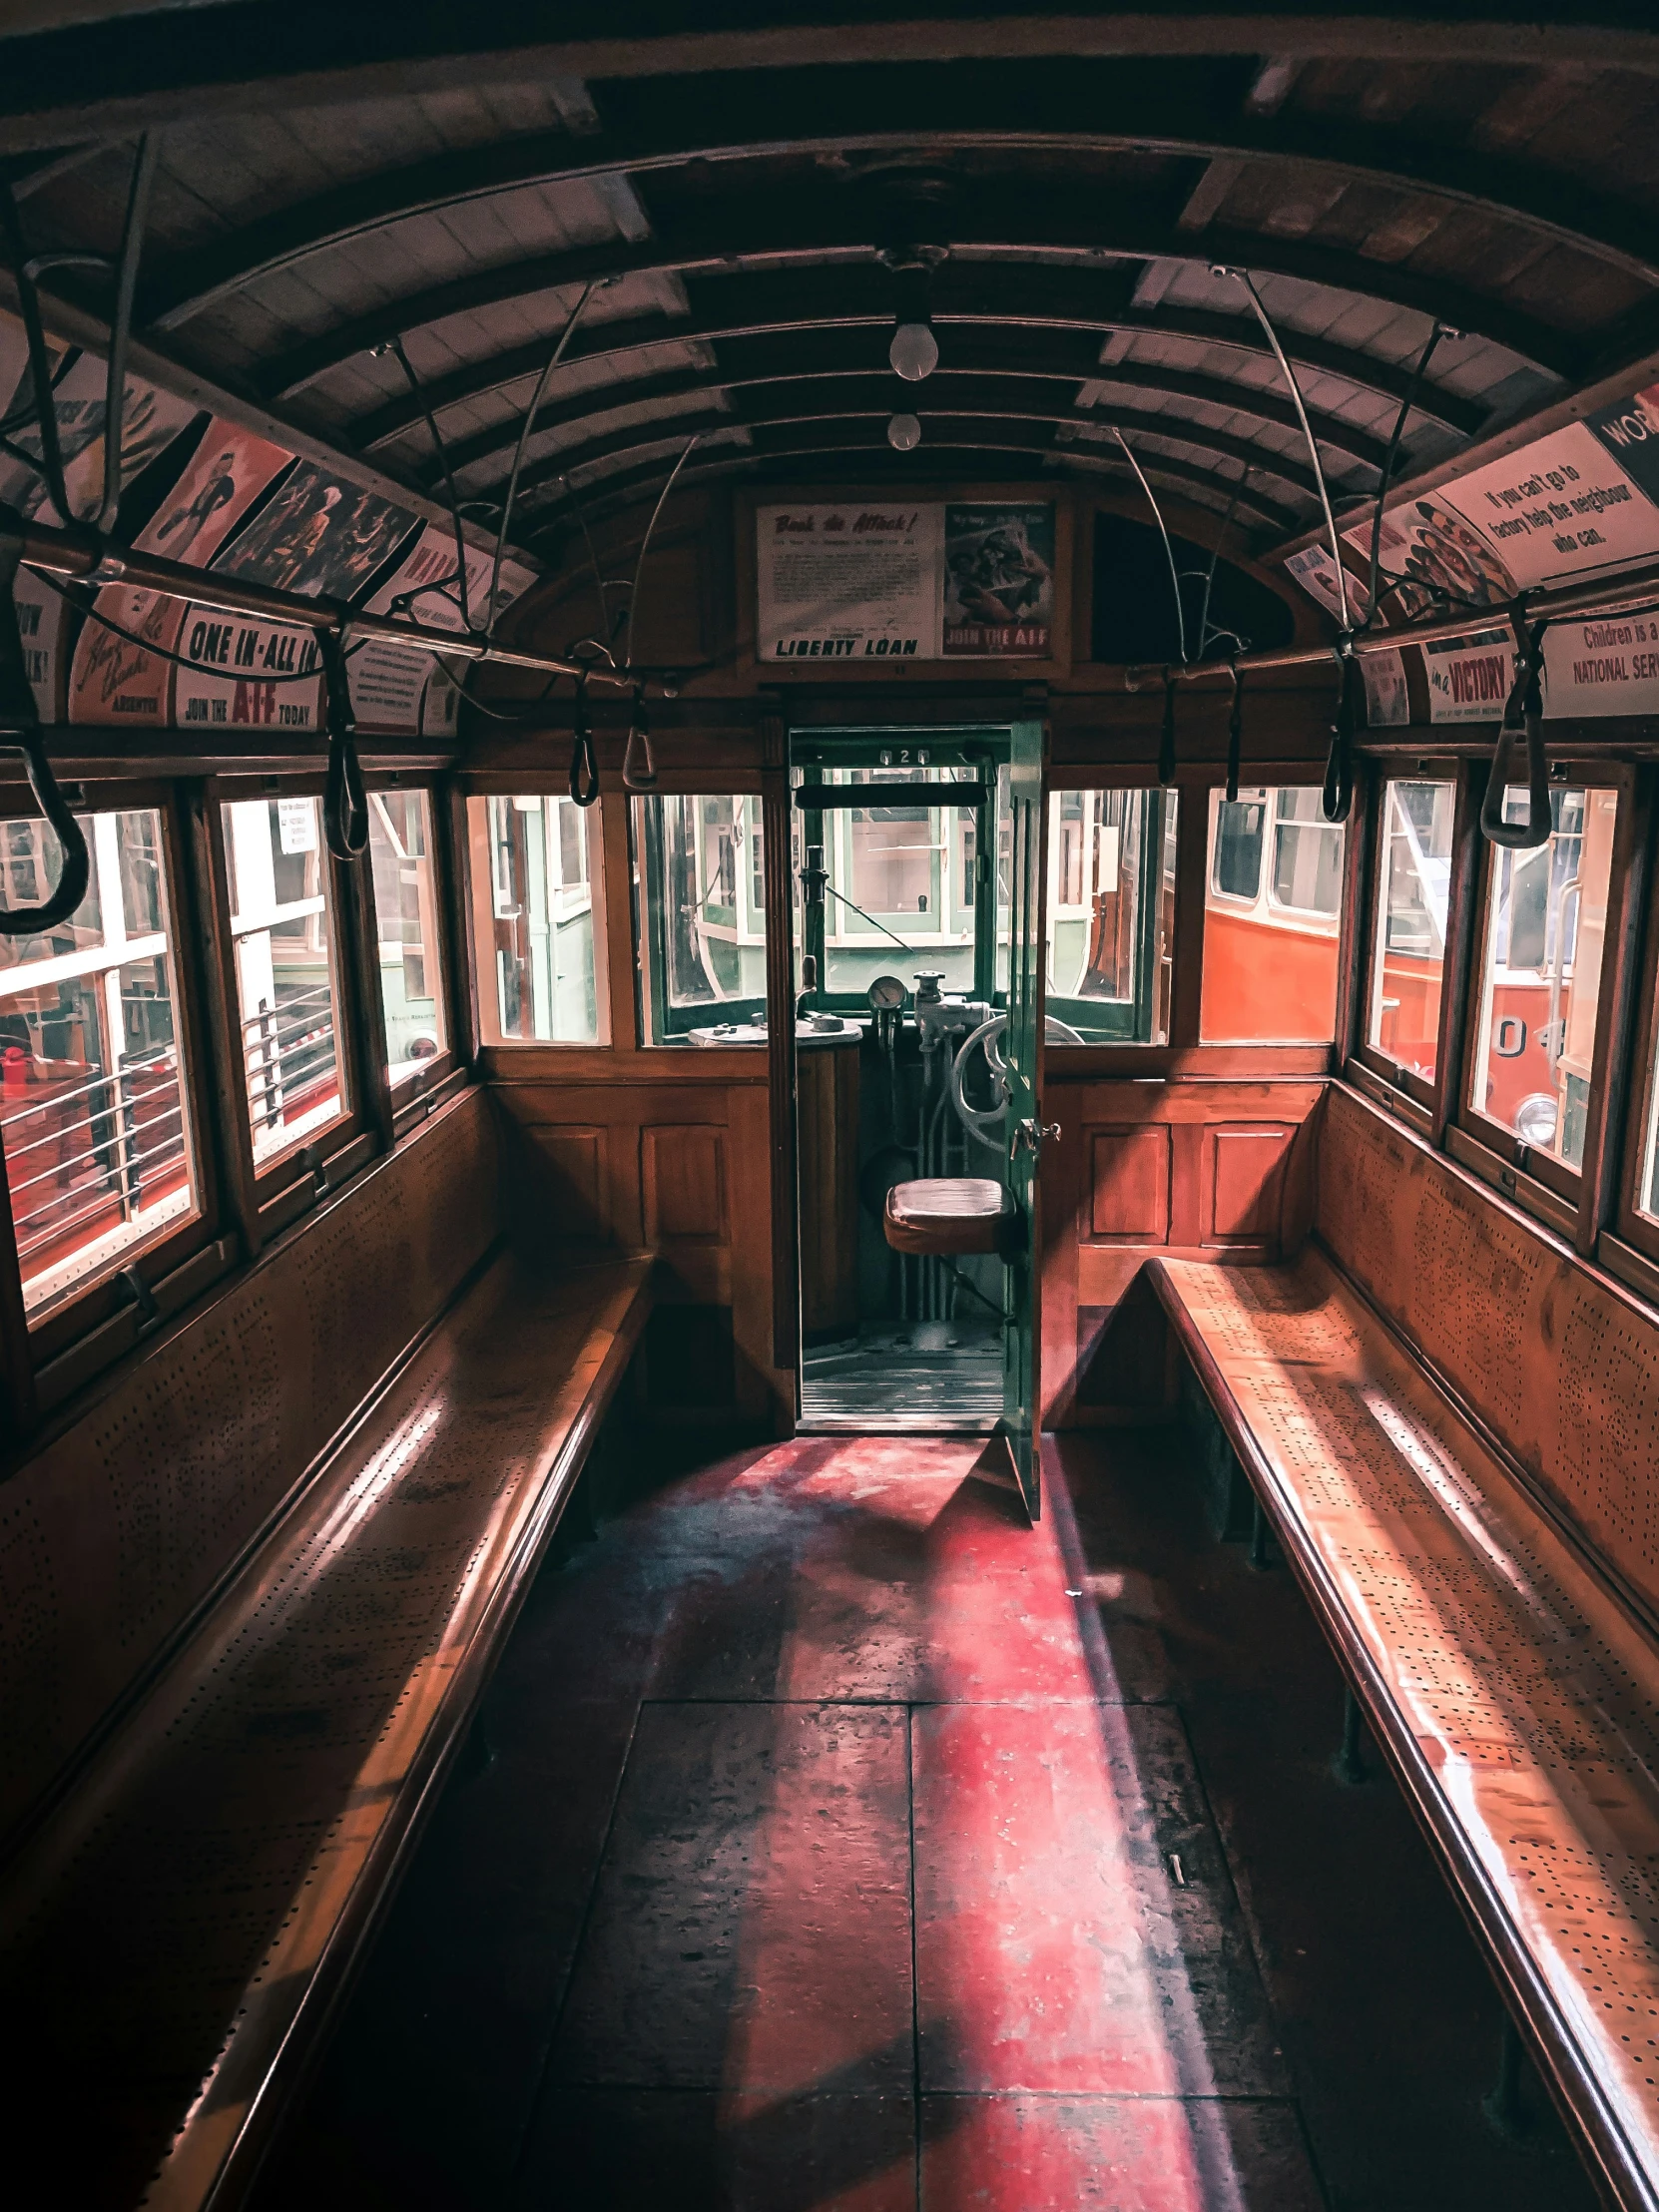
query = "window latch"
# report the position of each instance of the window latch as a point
(143, 1298)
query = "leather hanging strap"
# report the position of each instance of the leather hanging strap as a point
(20, 728)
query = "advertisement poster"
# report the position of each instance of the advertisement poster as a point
(317, 538)
(849, 583)
(998, 582)
(116, 682)
(1469, 678)
(151, 420)
(857, 582)
(1387, 704)
(241, 674)
(403, 693)
(41, 617)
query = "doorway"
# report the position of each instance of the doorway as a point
(903, 866)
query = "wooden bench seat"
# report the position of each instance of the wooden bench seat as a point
(181, 1927)
(1512, 1692)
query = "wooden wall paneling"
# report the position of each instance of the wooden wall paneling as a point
(129, 1516)
(577, 1162)
(683, 1176)
(1557, 1364)
(17, 1379)
(1242, 1188)
(1127, 1186)
(1143, 1176)
(1612, 1078)
(213, 965)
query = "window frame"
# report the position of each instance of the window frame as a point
(1425, 768)
(282, 1185)
(650, 984)
(1569, 1199)
(426, 1075)
(472, 900)
(105, 1295)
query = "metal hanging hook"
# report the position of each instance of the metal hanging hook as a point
(584, 768)
(1337, 798)
(1523, 710)
(639, 764)
(344, 802)
(20, 726)
(1235, 730)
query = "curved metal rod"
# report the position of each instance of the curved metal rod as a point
(1523, 710)
(548, 367)
(441, 451)
(1243, 276)
(121, 330)
(1215, 560)
(344, 802)
(1439, 331)
(51, 462)
(1169, 550)
(644, 544)
(593, 554)
(18, 709)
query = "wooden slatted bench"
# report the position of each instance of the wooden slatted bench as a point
(1504, 1669)
(178, 1932)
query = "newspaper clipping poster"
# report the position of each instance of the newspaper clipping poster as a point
(861, 582)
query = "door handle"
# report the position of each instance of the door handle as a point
(1028, 1137)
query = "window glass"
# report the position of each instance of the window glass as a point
(286, 986)
(1111, 906)
(533, 872)
(1409, 953)
(406, 929)
(93, 1119)
(900, 884)
(1546, 924)
(701, 936)
(1273, 913)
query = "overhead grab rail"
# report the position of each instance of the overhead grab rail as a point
(1337, 798)
(1523, 711)
(20, 728)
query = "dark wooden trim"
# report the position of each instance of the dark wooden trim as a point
(215, 963)
(778, 858)
(362, 1007)
(1610, 1068)
(1192, 876)
(450, 836)
(1461, 918)
(17, 1374)
(1357, 921)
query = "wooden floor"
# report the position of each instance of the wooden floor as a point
(844, 1842)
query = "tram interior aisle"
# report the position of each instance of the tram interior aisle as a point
(830, 1837)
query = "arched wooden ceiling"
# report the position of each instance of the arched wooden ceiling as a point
(343, 190)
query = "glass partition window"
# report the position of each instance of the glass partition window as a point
(93, 1119)
(1111, 909)
(902, 884)
(534, 868)
(1409, 952)
(1272, 919)
(700, 883)
(286, 986)
(407, 930)
(1546, 922)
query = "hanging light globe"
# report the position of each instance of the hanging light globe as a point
(903, 434)
(914, 351)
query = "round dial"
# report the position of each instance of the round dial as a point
(886, 993)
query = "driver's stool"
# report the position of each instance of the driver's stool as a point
(949, 1214)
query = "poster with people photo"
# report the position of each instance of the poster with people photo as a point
(316, 537)
(115, 681)
(998, 581)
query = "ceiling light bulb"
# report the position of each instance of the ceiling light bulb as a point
(903, 433)
(914, 351)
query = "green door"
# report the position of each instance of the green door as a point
(1022, 1052)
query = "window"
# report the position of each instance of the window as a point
(1111, 906)
(93, 1115)
(1272, 921)
(287, 984)
(1403, 1021)
(407, 930)
(534, 868)
(1540, 978)
(901, 891)
(702, 935)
